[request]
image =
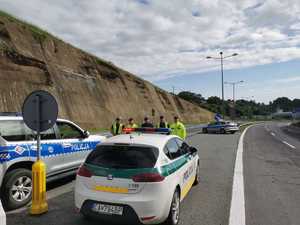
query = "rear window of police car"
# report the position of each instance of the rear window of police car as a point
(123, 157)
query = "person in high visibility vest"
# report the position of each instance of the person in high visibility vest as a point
(162, 123)
(116, 127)
(177, 128)
(131, 124)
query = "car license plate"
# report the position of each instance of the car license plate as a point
(107, 209)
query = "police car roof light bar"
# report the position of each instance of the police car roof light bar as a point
(147, 130)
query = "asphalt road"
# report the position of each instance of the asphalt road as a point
(206, 204)
(272, 176)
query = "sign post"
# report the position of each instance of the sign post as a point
(153, 115)
(39, 112)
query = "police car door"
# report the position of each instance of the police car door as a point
(181, 162)
(189, 170)
(214, 127)
(74, 144)
(52, 152)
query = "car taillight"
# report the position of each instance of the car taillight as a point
(84, 172)
(148, 177)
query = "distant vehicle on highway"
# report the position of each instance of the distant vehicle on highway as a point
(222, 127)
(137, 177)
(63, 148)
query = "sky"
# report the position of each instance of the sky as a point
(167, 42)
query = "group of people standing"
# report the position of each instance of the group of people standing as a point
(177, 127)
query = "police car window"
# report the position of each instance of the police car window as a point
(15, 131)
(68, 131)
(123, 157)
(48, 134)
(179, 142)
(173, 149)
(183, 147)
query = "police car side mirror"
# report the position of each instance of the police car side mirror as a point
(86, 134)
(193, 150)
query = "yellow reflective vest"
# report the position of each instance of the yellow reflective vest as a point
(178, 129)
(114, 129)
(132, 126)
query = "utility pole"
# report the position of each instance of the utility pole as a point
(233, 87)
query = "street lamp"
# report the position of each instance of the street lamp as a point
(233, 87)
(221, 58)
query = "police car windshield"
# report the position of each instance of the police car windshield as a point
(123, 157)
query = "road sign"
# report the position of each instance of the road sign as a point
(218, 117)
(40, 111)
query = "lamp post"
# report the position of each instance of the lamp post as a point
(221, 58)
(233, 87)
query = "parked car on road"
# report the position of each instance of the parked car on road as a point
(222, 127)
(137, 178)
(63, 148)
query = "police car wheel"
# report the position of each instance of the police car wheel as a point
(16, 190)
(204, 130)
(174, 213)
(197, 179)
(223, 131)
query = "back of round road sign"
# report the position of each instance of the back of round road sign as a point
(40, 111)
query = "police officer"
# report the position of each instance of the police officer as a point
(162, 123)
(178, 128)
(131, 124)
(116, 127)
(147, 123)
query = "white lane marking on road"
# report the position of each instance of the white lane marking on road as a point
(273, 134)
(288, 144)
(237, 208)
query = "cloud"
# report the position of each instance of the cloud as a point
(288, 80)
(158, 39)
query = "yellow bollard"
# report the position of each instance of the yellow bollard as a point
(39, 204)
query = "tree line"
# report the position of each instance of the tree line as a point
(242, 107)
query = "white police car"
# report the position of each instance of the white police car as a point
(137, 177)
(63, 148)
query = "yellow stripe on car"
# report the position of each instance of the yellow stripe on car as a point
(187, 186)
(111, 189)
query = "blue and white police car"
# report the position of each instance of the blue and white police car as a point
(137, 178)
(222, 127)
(63, 148)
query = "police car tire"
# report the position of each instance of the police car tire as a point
(223, 131)
(204, 130)
(9, 179)
(170, 220)
(197, 178)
